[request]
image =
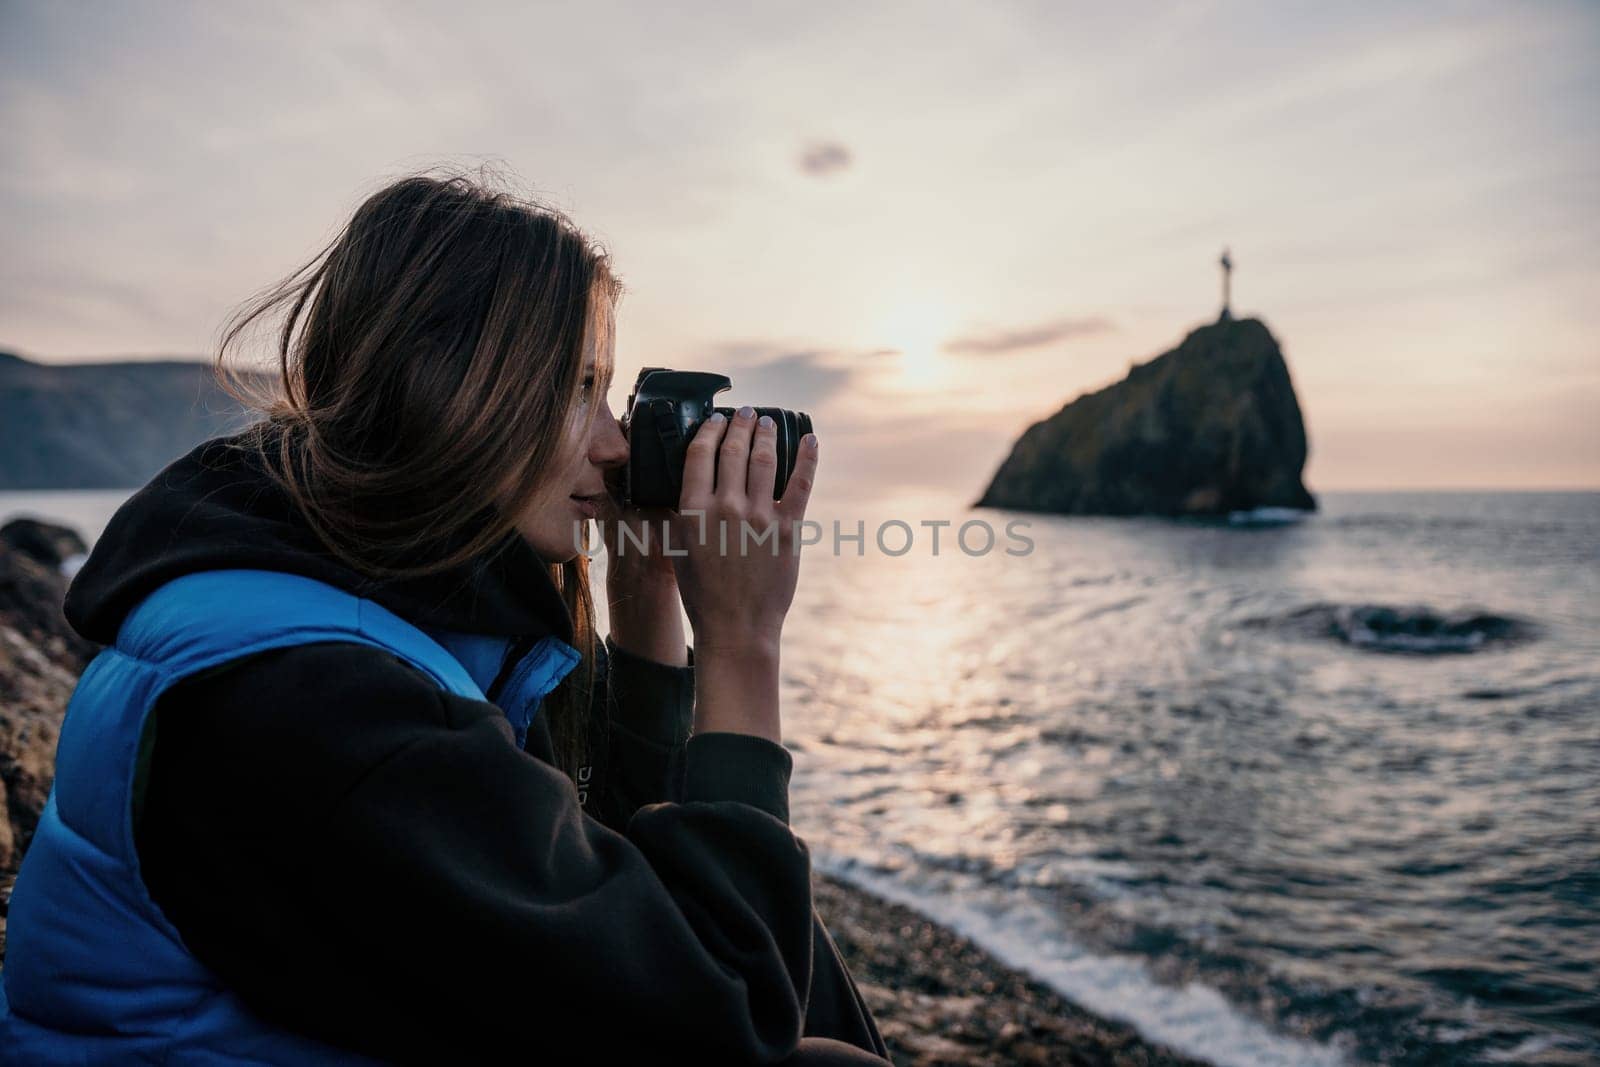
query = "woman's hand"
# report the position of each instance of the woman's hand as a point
(736, 590)
(641, 584)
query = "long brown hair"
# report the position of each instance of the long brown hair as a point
(430, 358)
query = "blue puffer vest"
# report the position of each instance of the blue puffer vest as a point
(94, 972)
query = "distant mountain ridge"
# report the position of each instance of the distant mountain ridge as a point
(1209, 428)
(110, 425)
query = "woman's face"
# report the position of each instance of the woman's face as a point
(578, 478)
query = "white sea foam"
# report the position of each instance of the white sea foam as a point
(1537, 1049)
(1267, 516)
(1194, 1019)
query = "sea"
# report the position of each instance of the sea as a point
(1274, 789)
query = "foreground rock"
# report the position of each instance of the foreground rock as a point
(44, 542)
(941, 1001)
(1210, 428)
(40, 660)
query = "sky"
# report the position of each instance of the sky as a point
(927, 225)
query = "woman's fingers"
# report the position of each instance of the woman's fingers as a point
(792, 508)
(763, 474)
(699, 461)
(733, 455)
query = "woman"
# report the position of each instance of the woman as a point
(356, 780)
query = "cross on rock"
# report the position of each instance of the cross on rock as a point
(1227, 285)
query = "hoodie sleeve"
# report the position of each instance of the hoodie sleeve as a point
(649, 716)
(369, 859)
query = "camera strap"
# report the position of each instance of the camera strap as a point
(673, 445)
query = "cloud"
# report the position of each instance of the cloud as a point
(770, 375)
(822, 158)
(996, 342)
(60, 297)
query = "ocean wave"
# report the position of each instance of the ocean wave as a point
(1192, 1018)
(1414, 630)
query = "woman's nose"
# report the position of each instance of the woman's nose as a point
(609, 446)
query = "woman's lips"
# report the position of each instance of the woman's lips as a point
(589, 505)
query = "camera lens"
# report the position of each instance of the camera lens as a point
(791, 426)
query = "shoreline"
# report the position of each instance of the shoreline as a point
(942, 1001)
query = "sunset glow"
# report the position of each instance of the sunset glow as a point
(883, 214)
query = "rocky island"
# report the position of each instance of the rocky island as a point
(1212, 427)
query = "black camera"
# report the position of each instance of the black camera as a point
(665, 410)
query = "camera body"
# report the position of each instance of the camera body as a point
(664, 412)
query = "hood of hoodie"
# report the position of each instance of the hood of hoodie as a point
(217, 508)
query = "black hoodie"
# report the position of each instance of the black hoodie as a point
(370, 859)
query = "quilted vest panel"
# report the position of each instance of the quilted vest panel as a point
(94, 972)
